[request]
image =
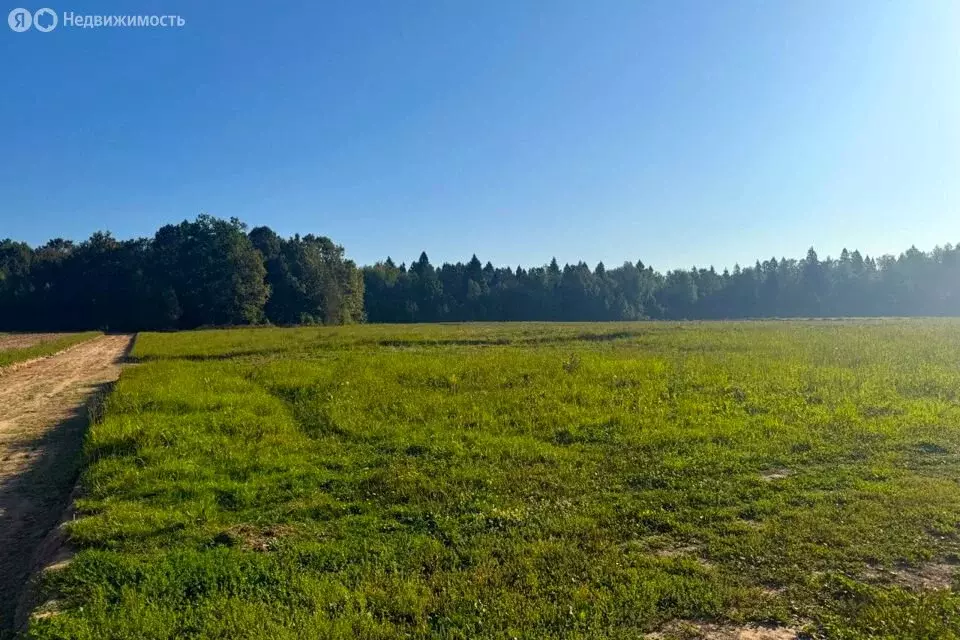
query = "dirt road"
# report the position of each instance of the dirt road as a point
(42, 421)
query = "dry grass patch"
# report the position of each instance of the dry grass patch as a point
(928, 576)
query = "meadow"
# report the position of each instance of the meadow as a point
(522, 481)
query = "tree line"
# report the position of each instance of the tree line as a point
(209, 272)
(215, 272)
(912, 284)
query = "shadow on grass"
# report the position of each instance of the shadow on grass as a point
(215, 357)
(396, 343)
(493, 342)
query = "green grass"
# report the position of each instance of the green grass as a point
(528, 481)
(46, 348)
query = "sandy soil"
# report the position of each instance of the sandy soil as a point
(42, 421)
(681, 630)
(24, 340)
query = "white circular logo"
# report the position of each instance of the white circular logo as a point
(19, 20)
(52, 18)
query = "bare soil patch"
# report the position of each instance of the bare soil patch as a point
(253, 538)
(775, 474)
(927, 577)
(24, 340)
(42, 420)
(689, 551)
(684, 630)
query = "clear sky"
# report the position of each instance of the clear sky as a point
(676, 132)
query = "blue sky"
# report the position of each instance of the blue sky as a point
(676, 132)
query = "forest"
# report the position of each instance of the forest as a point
(216, 272)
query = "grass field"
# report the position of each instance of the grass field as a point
(528, 481)
(44, 348)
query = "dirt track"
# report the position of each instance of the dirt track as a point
(42, 420)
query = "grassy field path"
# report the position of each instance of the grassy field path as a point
(24, 340)
(42, 421)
